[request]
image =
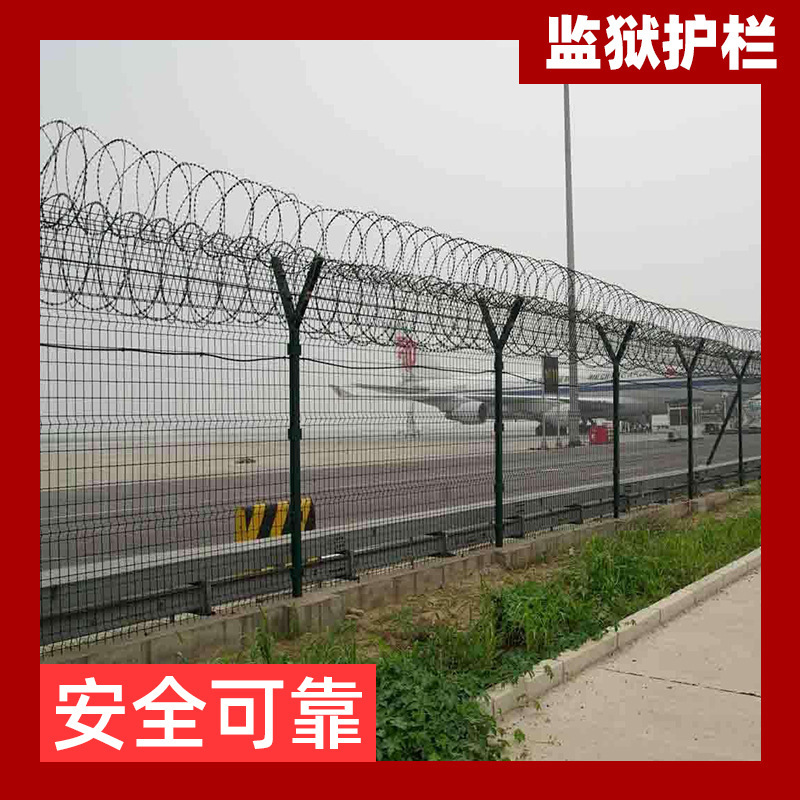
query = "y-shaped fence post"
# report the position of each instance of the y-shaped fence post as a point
(689, 367)
(294, 316)
(499, 342)
(739, 377)
(616, 359)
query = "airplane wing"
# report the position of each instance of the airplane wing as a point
(465, 405)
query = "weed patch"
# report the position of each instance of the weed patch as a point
(431, 668)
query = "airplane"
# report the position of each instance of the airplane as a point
(641, 396)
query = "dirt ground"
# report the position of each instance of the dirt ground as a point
(398, 625)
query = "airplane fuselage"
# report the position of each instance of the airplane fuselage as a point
(640, 399)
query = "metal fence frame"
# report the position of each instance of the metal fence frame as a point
(137, 235)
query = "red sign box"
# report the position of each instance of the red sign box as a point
(595, 42)
(207, 712)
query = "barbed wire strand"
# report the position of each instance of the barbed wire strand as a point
(140, 234)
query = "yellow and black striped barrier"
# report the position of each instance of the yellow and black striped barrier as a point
(265, 520)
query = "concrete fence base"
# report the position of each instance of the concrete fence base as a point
(322, 610)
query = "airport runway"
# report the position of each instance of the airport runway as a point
(348, 480)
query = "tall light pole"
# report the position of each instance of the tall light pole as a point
(574, 416)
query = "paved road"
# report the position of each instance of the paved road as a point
(690, 691)
(378, 479)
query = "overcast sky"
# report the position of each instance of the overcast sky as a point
(666, 178)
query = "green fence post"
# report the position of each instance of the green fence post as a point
(689, 367)
(739, 378)
(498, 343)
(294, 317)
(616, 359)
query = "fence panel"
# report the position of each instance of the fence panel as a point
(244, 397)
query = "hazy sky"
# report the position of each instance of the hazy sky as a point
(666, 178)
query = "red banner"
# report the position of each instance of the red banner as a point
(216, 712)
(671, 43)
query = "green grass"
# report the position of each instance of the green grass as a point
(427, 690)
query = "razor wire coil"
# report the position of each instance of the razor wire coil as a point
(141, 235)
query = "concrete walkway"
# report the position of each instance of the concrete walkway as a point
(690, 691)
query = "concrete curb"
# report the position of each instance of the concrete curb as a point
(546, 675)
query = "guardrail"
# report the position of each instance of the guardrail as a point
(77, 602)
